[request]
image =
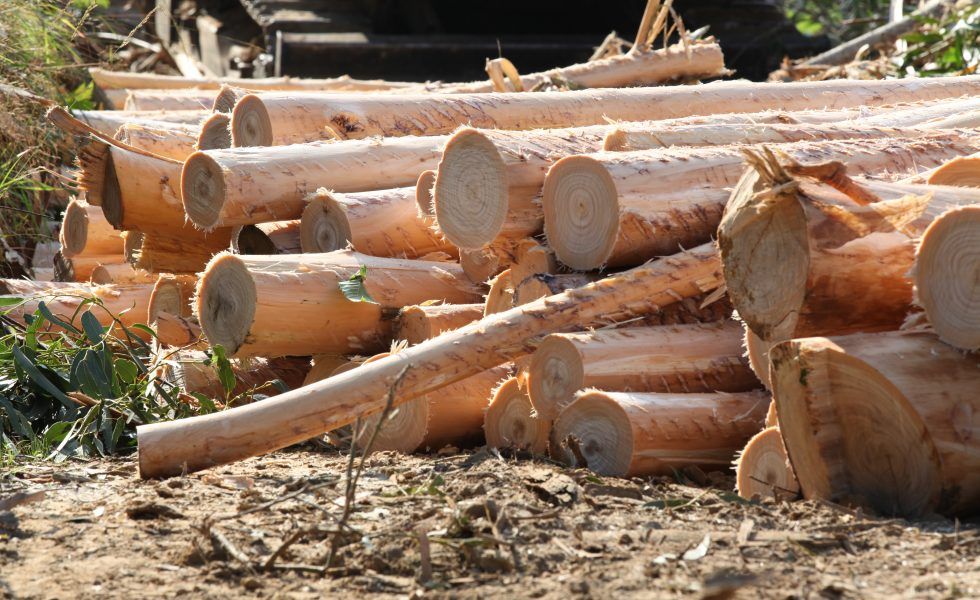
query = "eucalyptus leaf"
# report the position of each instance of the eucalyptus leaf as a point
(354, 289)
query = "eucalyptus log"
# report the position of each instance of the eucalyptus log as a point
(189, 371)
(121, 273)
(66, 301)
(168, 449)
(81, 267)
(886, 421)
(85, 230)
(248, 304)
(161, 253)
(511, 422)
(802, 258)
(151, 99)
(174, 140)
(634, 435)
(276, 237)
(419, 323)
(763, 470)
(137, 81)
(963, 171)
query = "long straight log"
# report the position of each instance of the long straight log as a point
(887, 421)
(633, 435)
(109, 121)
(947, 262)
(248, 304)
(622, 208)
(138, 81)
(380, 223)
(168, 449)
(244, 186)
(803, 259)
(151, 99)
(674, 359)
(510, 421)
(85, 230)
(283, 118)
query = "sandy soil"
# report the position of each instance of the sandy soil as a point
(468, 525)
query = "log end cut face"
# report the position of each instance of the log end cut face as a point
(324, 226)
(215, 133)
(763, 468)
(511, 422)
(471, 191)
(947, 276)
(202, 188)
(74, 229)
(766, 256)
(250, 123)
(555, 374)
(851, 435)
(594, 432)
(226, 302)
(581, 212)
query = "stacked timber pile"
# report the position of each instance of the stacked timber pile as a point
(538, 271)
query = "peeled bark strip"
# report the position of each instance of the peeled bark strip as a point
(886, 421)
(243, 186)
(634, 435)
(150, 99)
(111, 80)
(176, 140)
(248, 303)
(500, 297)
(189, 445)
(81, 267)
(510, 421)
(121, 273)
(188, 371)
(802, 259)
(277, 237)
(284, 118)
(380, 223)
(419, 323)
(763, 468)
(674, 359)
(215, 134)
(127, 302)
(166, 254)
(623, 208)
(85, 230)
(946, 266)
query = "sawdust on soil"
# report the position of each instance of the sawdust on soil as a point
(462, 525)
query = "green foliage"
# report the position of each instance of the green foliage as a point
(839, 20)
(354, 288)
(945, 46)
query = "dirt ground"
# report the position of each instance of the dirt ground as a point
(467, 525)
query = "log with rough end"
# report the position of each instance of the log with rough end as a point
(947, 269)
(500, 296)
(248, 304)
(703, 357)
(121, 273)
(622, 208)
(85, 230)
(380, 223)
(511, 422)
(633, 435)
(419, 323)
(887, 421)
(242, 186)
(188, 370)
(177, 332)
(214, 134)
(963, 171)
(763, 470)
(168, 449)
(172, 294)
(162, 253)
(81, 267)
(173, 140)
(285, 118)
(808, 260)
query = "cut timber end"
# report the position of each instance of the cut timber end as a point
(757, 351)
(471, 197)
(851, 435)
(766, 256)
(324, 224)
(763, 468)
(480, 266)
(963, 171)
(425, 195)
(215, 133)
(556, 372)
(595, 428)
(947, 271)
(419, 323)
(581, 212)
(226, 302)
(250, 123)
(202, 189)
(500, 297)
(510, 421)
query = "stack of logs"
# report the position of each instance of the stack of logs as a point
(396, 235)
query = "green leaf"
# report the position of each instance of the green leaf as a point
(18, 422)
(93, 329)
(57, 432)
(226, 375)
(126, 370)
(11, 301)
(44, 310)
(354, 289)
(206, 402)
(37, 377)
